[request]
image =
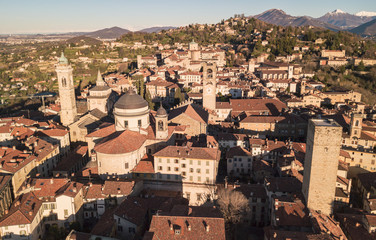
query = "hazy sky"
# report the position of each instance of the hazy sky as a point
(42, 16)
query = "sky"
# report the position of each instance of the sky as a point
(53, 16)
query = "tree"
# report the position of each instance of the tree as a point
(179, 96)
(233, 205)
(149, 100)
(361, 66)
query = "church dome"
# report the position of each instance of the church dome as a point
(131, 100)
(161, 112)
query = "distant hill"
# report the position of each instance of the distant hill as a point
(345, 20)
(156, 29)
(279, 17)
(108, 33)
(84, 40)
(366, 29)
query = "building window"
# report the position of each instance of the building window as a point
(183, 173)
(191, 170)
(207, 163)
(139, 123)
(199, 179)
(188, 195)
(160, 168)
(207, 171)
(65, 213)
(132, 230)
(199, 162)
(120, 228)
(176, 169)
(126, 124)
(183, 165)
(176, 160)
(168, 168)
(190, 178)
(126, 165)
(198, 170)
(198, 196)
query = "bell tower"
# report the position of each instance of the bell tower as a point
(68, 110)
(209, 74)
(356, 125)
(161, 127)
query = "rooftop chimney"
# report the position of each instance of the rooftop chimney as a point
(207, 228)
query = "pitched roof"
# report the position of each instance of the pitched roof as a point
(121, 142)
(23, 210)
(189, 152)
(118, 187)
(192, 110)
(186, 227)
(273, 106)
(237, 151)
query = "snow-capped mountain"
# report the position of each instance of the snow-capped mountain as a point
(345, 20)
(365, 14)
(337, 11)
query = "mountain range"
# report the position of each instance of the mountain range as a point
(336, 20)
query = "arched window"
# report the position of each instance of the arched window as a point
(64, 82)
(160, 125)
(356, 123)
(210, 73)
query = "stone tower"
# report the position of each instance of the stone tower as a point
(99, 96)
(161, 127)
(356, 125)
(209, 85)
(321, 164)
(68, 110)
(290, 72)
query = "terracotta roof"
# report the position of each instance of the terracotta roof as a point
(70, 189)
(291, 214)
(185, 227)
(102, 132)
(41, 148)
(273, 106)
(55, 132)
(133, 211)
(15, 160)
(145, 165)
(283, 184)
(118, 187)
(189, 152)
(195, 112)
(46, 188)
(121, 142)
(23, 210)
(237, 151)
(94, 191)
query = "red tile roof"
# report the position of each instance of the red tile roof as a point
(121, 142)
(145, 165)
(118, 187)
(23, 210)
(185, 227)
(189, 152)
